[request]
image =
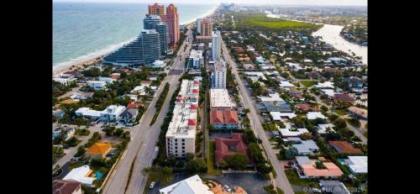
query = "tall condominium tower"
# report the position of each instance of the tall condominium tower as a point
(215, 44)
(144, 50)
(206, 27)
(155, 22)
(198, 25)
(157, 9)
(172, 20)
(218, 77)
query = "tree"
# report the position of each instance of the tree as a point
(264, 168)
(324, 109)
(340, 123)
(166, 173)
(80, 151)
(306, 136)
(236, 161)
(255, 152)
(92, 72)
(196, 166)
(96, 163)
(290, 153)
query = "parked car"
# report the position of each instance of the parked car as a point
(152, 184)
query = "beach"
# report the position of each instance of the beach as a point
(98, 52)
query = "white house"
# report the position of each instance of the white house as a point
(278, 116)
(325, 85)
(315, 115)
(65, 81)
(323, 128)
(286, 84)
(294, 66)
(107, 80)
(82, 174)
(289, 131)
(87, 112)
(192, 185)
(357, 164)
(112, 112)
(96, 85)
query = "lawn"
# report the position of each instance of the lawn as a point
(307, 83)
(341, 112)
(211, 170)
(295, 180)
(274, 24)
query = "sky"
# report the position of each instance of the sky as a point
(260, 2)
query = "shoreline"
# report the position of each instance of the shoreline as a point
(336, 40)
(94, 57)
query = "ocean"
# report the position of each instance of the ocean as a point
(86, 30)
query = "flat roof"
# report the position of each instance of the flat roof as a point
(219, 98)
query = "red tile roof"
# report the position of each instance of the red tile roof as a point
(195, 91)
(132, 105)
(345, 147)
(303, 107)
(193, 107)
(229, 146)
(192, 122)
(344, 97)
(223, 117)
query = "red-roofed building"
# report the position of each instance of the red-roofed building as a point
(132, 105)
(195, 91)
(224, 119)
(343, 98)
(193, 107)
(345, 147)
(304, 107)
(192, 122)
(229, 146)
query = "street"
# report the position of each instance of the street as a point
(281, 179)
(144, 137)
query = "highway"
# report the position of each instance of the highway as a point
(281, 179)
(141, 149)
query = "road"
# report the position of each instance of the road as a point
(281, 179)
(141, 149)
(70, 152)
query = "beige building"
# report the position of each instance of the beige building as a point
(180, 137)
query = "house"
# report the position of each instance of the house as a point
(274, 103)
(344, 147)
(66, 187)
(325, 128)
(115, 76)
(129, 115)
(310, 168)
(290, 131)
(296, 94)
(107, 80)
(255, 75)
(358, 113)
(337, 61)
(224, 119)
(294, 66)
(141, 89)
(333, 186)
(303, 147)
(249, 67)
(58, 113)
(112, 113)
(191, 185)
(65, 81)
(286, 85)
(229, 146)
(280, 116)
(99, 150)
(303, 107)
(64, 131)
(82, 175)
(328, 92)
(96, 85)
(315, 115)
(343, 98)
(81, 95)
(356, 164)
(325, 85)
(89, 113)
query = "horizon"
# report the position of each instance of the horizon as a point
(313, 3)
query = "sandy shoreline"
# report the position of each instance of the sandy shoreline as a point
(95, 58)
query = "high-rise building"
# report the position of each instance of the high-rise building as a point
(180, 137)
(143, 50)
(206, 27)
(198, 25)
(196, 60)
(172, 20)
(218, 77)
(157, 9)
(150, 21)
(162, 29)
(155, 22)
(215, 44)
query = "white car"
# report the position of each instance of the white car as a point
(152, 184)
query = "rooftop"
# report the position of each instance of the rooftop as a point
(357, 164)
(81, 174)
(309, 168)
(100, 148)
(65, 187)
(289, 131)
(192, 185)
(220, 98)
(223, 117)
(333, 186)
(229, 146)
(345, 147)
(183, 123)
(315, 115)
